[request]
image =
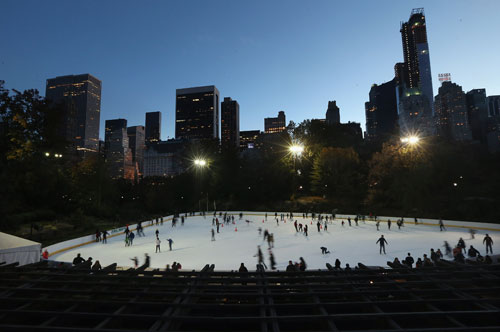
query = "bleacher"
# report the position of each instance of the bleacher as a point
(40, 297)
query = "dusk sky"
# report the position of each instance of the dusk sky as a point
(268, 55)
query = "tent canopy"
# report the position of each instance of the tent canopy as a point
(15, 249)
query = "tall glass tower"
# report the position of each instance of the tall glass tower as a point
(417, 65)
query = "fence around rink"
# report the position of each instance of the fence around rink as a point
(88, 239)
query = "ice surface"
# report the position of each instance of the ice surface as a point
(237, 243)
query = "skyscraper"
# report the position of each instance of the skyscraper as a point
(451, 113)
(494, 106)
(197, 113)
(381, 111)
(477, 113)
(332, 113)
(153, 127)
(80, 98)
(230, 122)
(275, 125)
(416, 70)
(136, 143)
(118, 153)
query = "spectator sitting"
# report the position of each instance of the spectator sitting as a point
(96, 266)
(473, 252)
(290, 267)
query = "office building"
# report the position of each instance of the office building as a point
(494, 106)
(79, 96)
(416, 70)
(163, 158)
(477, 113)
(230, 123)
(451, 113)
(415, 114)
(153, 127)
(332, 113)
(136, 143)
(275, 125)
(248, 139)
(197, 113)
(381, 111)
(118, 153)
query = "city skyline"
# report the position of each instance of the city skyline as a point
(296, 59)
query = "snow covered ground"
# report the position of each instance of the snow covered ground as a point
(237, 243)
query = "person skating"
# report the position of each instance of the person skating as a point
(266, 234)
(217, 224)
(136, 261)
(147, 261)
(349, 221)
(324, 250)
(104, 237)
(45, 254)
(356, 220)
(461, 244)
(473, 252)
(131, 237)
(447, 248)
(326, 224)
(318, 226)
(295, 225)
(170, 241)
(378, 225)
(300, 227)
(97, 235)
(305, 230)
(260, 257)
(489, 244)
(382, 242)
(78, 259)
(409, 260)
(472, 234)
(213, 235)
(272, 261)
(157, 233)
(157, 245)
(441, 225)
(389, 222)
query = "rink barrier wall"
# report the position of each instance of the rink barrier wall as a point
(88, 239)
(57, 248)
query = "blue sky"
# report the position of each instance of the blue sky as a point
(268, 55)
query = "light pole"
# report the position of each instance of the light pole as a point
(200, 164)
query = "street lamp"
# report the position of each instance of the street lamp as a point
(200, 162)
(411, 140)
(296, 150)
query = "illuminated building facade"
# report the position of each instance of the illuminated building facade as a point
(80, 98)
(136, 143)
(153, 127)
(197, 113)
(275, 125)
(230, 122)
(118, 153)
(248, 139)
(451, 113)
(163, 158)
(416, 70)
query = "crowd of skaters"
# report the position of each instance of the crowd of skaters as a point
(321, 221)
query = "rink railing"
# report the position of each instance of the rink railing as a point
(88, 239)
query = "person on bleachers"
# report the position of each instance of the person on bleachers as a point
(419, 263)
(303, 265)
(409, 260)
(96, 266)
(427, 261)
(290, 267)
(337, 264)
(78, 259)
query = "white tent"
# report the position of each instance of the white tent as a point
(15, 249)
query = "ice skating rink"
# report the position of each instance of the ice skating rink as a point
(237, 243)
